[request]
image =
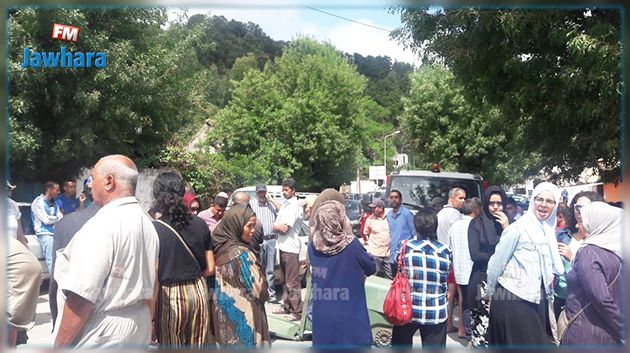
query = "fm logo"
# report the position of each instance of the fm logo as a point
(66, 33)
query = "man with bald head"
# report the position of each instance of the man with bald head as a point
(239, 198)
(107, 273)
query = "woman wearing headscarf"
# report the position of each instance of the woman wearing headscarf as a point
(575, 226)
(569, 247)
(240, 288)
(191, 201)
(483, 236)
(339, 267)
(521, 274)
(185, 258)
(594, 278)
(325, 195)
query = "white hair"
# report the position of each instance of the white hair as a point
(454, 191)
(126, 177)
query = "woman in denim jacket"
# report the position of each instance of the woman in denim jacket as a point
(524, 264)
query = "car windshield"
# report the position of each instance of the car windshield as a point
(418, 191)
(353, 209)
(521, 201)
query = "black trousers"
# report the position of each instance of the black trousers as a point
(464, 298)
(432, 335)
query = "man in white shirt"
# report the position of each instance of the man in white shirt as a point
(107, 274)
(289, 246)
(446, 217)
(462, 263)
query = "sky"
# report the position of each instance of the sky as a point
(286, 19)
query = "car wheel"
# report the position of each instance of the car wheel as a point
(382, 337)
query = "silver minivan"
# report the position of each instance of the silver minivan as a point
(420, 187)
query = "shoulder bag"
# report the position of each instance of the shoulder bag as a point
(397, 305)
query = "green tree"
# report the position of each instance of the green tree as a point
(387, 82)
(442, 126)
(302, 116)
(231, 40)
(64, 119)
(242, 65)
(556, 72)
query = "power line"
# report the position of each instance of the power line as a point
(347, 19)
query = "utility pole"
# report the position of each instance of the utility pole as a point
(385, 149)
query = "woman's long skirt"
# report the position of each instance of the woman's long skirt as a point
(517, 322)
(182, 316)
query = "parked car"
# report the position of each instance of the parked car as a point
(354, 211)
(274, 191)
(29, 233)
(419, 187)
(521, 200)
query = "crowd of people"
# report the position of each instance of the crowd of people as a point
(179, 276)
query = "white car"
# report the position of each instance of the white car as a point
(29, 232)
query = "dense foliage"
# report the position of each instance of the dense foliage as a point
(503, 92)
(63, 119)
(442, 126)
(302, 116)
(555, 72)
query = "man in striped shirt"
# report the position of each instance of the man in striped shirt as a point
(266, 211)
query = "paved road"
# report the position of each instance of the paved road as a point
(40, 336)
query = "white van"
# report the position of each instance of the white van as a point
(274, 191)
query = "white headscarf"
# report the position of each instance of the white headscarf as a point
(531, 225)
(602, 222)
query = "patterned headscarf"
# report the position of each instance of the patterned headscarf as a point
(331, 228)
(326, 195)
(229, 232)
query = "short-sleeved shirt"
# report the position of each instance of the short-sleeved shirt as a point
(377, 230)
(266, 213)
(176, 264)
(289, 214)
(208, 217)
(111, 261)
(67, 204)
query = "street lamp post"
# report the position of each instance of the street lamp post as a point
(385, 149)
